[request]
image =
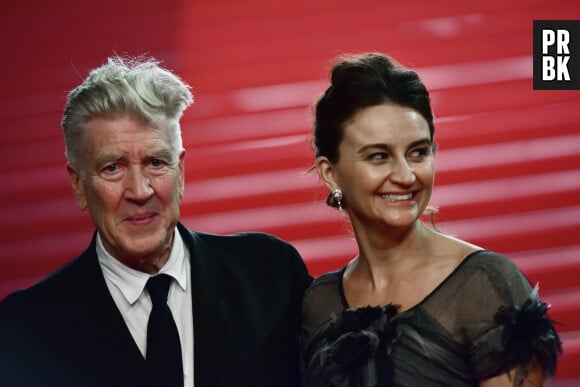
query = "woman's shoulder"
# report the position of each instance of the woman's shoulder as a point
(471, 259)
(483, 282)
(323, 288)
(322, 300)
(479, 277)
(494, 266)
(331, 277)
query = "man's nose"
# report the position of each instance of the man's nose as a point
(138, 186)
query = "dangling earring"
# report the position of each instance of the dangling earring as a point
(334, 199)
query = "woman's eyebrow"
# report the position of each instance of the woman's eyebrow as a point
(383, 146)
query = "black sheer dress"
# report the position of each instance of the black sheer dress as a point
(483, 320)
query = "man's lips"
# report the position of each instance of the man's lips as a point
(138, 218)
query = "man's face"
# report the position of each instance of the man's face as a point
(130, 178)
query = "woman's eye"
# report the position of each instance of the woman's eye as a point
(420, 152)
(377, 156)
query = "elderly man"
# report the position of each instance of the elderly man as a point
(150, 302)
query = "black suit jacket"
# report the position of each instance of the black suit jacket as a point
(247, 290)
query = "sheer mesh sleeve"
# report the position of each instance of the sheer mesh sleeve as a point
(499, 317)
(321, 301)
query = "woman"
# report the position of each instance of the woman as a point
(416, 307)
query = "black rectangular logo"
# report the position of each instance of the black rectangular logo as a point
(556, 54)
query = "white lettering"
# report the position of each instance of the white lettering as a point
(562, 66)
(548, 70)
(563, 40)
(548, 39)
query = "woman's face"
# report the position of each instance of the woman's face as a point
(385, 168)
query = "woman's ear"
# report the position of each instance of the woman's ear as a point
(326, 172)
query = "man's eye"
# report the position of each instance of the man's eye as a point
(111, 168)
(157, 163)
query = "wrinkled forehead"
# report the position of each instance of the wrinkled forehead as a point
(118, 124)
(126, 135)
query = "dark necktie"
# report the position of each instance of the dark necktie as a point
(163, 348)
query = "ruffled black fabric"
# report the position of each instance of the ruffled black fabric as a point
(356, 343)
(526, 332)
(483, 320)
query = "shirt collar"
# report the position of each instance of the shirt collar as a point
(131, 282)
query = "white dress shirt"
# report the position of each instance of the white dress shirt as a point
(127, 288)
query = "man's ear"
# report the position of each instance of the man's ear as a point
(181, 167)
(326, 172)
(77, 187)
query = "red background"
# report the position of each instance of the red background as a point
(509, 162)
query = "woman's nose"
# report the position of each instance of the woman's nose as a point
(403, 173)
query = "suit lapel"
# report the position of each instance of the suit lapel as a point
(209, 306)
(117, 358)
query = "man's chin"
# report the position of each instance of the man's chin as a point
(148, 259)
